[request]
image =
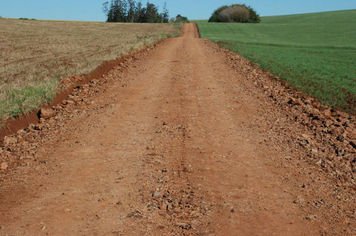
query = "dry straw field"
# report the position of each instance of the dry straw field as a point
(34, 55)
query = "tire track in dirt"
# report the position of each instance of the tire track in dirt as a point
(179, 144)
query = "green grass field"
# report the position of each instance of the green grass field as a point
(315, 53)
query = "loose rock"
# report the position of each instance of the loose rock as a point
(9, 140)
(4, 166)
(46, 113)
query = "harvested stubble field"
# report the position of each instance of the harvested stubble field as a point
(314, 53)
(34, 55)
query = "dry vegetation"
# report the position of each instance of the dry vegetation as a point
(235, 13)
(34, 55)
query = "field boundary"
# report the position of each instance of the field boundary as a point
(332, 128)
(291, 90)
(287, 45)
(12, 125)
(197, 29)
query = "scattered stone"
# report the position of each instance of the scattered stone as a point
(20, 131)
(352, 135)
(151, 206)
(298, 200)
(46, 113)
(194, 223)
(156, 194)
(353, 165)
(183, 225)
(311, 217)
(20, 140)
(70, 102)
(4, 166)
(315, 151)
(135, 214)
(9, 141)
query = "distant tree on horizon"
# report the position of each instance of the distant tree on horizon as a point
(165, 14)
(152, 14)
(133, 12)
(181, 19)
(238, 13)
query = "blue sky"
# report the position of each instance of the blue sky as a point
(90, 10)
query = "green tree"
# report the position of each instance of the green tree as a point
(165, 14)
(142, 13)
(131, 11)
(110, 12)
(181, 19)
(254, 17)
(152, 13)
(239, 13)
(215, 16)
(120, 11)
(105, 8)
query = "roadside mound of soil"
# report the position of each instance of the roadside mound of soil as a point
(332, 144)
(18, 143)
(13, 125)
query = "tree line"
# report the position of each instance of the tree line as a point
(134, 12)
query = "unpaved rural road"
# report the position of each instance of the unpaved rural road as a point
(182, 144)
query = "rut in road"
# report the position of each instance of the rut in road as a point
(175, 148)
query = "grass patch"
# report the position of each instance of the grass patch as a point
(23, 100)
(198, 21)
(35, 54)
(315, 53)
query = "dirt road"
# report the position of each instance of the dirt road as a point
(179, 144)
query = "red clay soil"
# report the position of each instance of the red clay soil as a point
(12, 125)
(183, 139)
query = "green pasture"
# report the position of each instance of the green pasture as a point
(315, 53)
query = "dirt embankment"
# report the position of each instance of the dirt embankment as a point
(12, 125)
(183, 139)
